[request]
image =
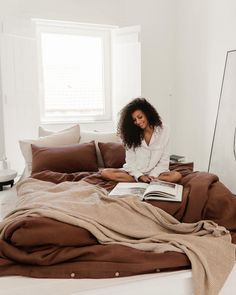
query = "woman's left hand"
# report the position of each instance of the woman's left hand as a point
(145, 178)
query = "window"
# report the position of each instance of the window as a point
(75, 71)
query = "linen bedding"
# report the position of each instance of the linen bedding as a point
(39, 246)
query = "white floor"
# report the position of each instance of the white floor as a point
(178, 283)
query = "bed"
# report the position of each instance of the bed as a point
(101, 269)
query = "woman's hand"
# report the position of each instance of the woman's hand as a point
(145, 178)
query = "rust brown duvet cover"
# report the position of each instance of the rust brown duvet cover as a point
(44, 247)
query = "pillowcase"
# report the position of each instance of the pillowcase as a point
(98, 136)
(44, 132)
(113, 154)
(87, 136)
(67, 137)
(65, 159)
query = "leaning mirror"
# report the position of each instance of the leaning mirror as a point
(223, 152)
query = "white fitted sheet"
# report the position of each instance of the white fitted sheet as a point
(178, 283)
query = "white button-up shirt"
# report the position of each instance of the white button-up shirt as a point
(149, 159)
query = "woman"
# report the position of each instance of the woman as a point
(146, 141)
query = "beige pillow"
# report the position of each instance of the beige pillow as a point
(88, 136)
(67, 137)
(44, 132)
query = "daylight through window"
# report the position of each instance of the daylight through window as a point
(75, 73)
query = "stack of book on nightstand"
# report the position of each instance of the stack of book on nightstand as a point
(177, 159)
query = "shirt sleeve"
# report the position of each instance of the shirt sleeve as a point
(164, 162)
(130, 165)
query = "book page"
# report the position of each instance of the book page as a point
(162, 188)
(129, 188)
(164, 191)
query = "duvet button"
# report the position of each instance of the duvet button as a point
(72, 275)
(158, 270)
(117, 274)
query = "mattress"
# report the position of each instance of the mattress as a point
(178, 282)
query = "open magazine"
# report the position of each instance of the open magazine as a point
(155, 190)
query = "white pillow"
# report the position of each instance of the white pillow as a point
(44, 132)
(87, 136)
(64, 137)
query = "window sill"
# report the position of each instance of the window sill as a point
(59, 122)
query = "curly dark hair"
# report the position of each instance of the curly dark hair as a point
(131, 134)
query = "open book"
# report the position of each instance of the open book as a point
(155, 190)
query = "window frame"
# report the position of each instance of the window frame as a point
(72, 28)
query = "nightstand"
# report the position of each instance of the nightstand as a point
(7, 177)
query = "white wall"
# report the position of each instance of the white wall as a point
(188, 111)
(100, 11)
(156, 39)
(184, 44)
(205, 31)
(20, 82)
(157, 31)
(2, 143)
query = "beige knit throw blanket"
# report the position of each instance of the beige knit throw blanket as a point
(131, 222)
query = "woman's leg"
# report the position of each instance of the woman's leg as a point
(172, 176)
(116, 175)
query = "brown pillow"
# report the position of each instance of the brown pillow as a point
(65, 159)
(113, 154)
